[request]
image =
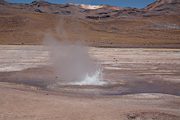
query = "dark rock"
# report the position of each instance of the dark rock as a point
(103, 13)
(132, 116)
(64, 6)
(84, 11)
(40, 2)
(66, 12)
(98, 17)
(105, 16)
(38, 10)
(56, 12)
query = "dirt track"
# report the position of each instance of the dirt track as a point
(134, 67)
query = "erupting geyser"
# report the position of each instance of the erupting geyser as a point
(95, 79)
(72, 63)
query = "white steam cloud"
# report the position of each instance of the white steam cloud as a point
(72, 63)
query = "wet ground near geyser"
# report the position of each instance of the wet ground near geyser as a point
(131, 87)
(126, 71)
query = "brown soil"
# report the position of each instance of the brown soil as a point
(20, 26)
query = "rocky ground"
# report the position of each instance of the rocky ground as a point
(144, 85)
(21, 104)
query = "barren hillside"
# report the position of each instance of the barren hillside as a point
(157, 25)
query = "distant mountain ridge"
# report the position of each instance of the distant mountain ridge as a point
(157, 25)
(3, 2)
(40, 2)
(159, 7)
(164, 5)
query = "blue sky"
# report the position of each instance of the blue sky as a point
(123, 3)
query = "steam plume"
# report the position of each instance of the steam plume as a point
(71, 62)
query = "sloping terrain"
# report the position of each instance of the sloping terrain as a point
(105, 26)
(167, 6)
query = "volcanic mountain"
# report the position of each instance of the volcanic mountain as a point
(157, 25)
(164, 7)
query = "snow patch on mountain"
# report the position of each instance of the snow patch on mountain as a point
(91, 7)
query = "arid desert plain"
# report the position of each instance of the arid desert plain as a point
(78, 62)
